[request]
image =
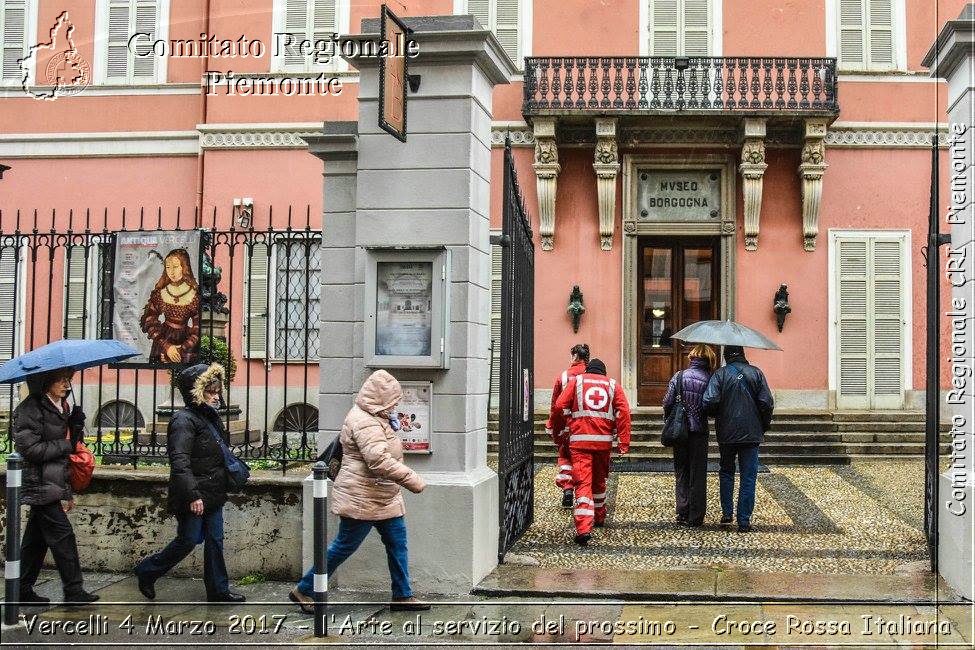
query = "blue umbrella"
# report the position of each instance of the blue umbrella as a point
(74, 354)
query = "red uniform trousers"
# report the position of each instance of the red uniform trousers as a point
(590, 469)
(563, 474)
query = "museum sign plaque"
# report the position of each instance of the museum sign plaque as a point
(679, 195)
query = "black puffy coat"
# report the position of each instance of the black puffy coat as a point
(740, 400)
(39, 436)
(197, 469)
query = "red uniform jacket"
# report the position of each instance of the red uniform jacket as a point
(560, 383)
(597, 409)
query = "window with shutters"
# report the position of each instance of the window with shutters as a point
(871, 333)
(18, 27)
(304, 35)
(87, 304)
(282, 299)
(680, 27)
(12, 270)
(495, 321)
(868, 34)
(117, 22)
(510, 20)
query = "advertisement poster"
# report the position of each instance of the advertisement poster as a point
(404, 318)
(156, 300)
(414, 416)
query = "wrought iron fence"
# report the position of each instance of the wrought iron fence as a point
(259, 289)
(608, 85)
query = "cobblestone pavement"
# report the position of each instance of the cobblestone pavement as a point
(864, 518)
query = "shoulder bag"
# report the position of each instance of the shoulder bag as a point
(332, 456)
(237, 470)
(676, 426)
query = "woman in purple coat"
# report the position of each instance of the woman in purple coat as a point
(691, 458)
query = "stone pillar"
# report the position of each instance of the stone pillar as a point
(607, 166)
(951, 58)
(547, 170)
(811, 169)
(752, 169)
(431, 191)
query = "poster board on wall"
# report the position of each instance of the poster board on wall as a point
(415, 413)
(156, 296)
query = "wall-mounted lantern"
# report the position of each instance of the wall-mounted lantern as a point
(781, 306)
(3, 168)
(575, 308)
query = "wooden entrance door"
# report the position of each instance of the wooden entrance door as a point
(678, 285)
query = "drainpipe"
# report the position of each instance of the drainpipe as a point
(203, 118)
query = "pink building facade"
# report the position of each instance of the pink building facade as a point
(662, 215)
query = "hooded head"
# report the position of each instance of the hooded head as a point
(194, 379)
(379, 392)
(731, 351)
(596, 367)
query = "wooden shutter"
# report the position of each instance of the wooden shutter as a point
(117, 66)
(696, 33)
(13, 21)
(853, 324)
(870, 323)
(880, 38)
(664, 19)
(323, 19)
(146, 22)
(495, 322)
(506, 29)
(481, 9)
(888, 330)
(76, 292)
(296, 24)
(9, 329)
(852, 20)
(256, 307)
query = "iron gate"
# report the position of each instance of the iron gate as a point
(516, 450)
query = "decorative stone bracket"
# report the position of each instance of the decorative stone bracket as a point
(547, 170)
(811, 169)
(606, 163)
(752, 169)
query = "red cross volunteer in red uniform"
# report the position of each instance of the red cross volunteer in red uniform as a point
(598, 410)
(563, 474)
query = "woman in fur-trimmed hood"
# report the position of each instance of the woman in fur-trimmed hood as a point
(197, 485)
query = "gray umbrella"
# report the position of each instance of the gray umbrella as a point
(724, 332)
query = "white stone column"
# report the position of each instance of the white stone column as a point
(951, 58)
(607, 166)
(811, 169)
(547, 170)
(431, 191)
(752, 169)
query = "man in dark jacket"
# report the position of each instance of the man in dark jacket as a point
(45, 434)
(740, 400)
(197, 486)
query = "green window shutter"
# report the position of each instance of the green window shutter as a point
(256, 308)
(697, 28)
(495, 321)
(506, 29)
(853, 325)
(481, 9)
(9, 329)
(119, 31)
(888, 330)
(880, 38)
(13, 21)
(146, 22)
(663, 28)
(852, 29)
(76, 292)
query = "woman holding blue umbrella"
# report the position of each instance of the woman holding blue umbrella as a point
(46, 431)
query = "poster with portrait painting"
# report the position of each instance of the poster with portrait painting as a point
(156, 301)
(413, 413)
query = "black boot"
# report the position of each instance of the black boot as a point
(147, 586)
(229, 597)
(568, 499)
(30, 597)
(583, 539)
(80, 598)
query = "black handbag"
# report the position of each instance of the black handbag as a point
(238, 473)
(332, 456)
(676, 426)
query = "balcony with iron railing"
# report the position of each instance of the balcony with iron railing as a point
(745, 86)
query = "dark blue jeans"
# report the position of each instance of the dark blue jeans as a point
(747, 457)
(192, 530)
(351, 534)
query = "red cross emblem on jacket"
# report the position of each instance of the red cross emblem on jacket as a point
(596, 409)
